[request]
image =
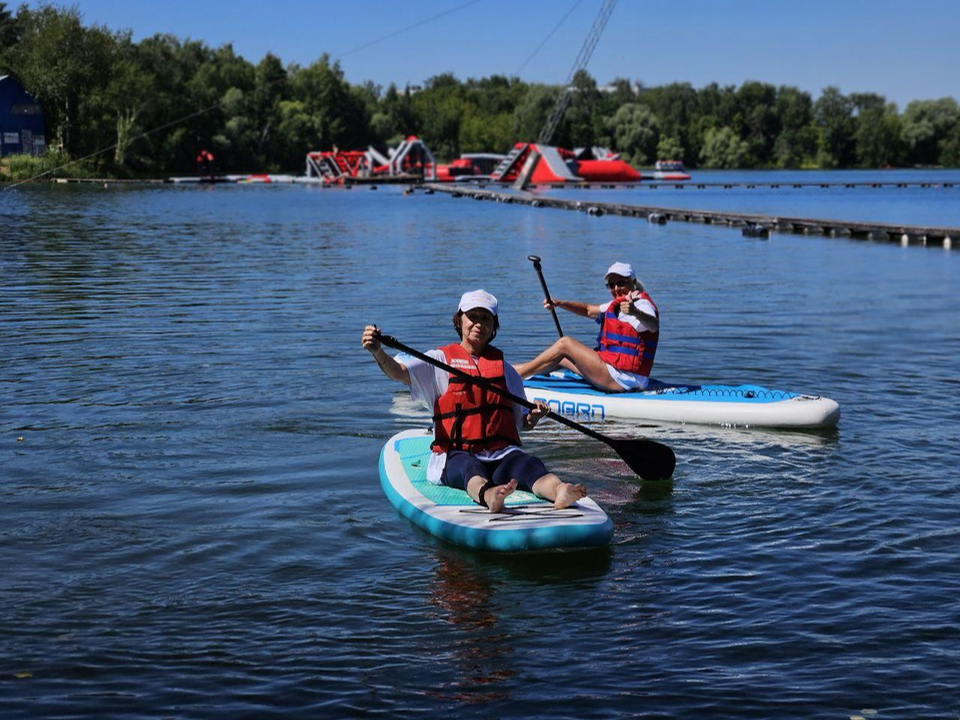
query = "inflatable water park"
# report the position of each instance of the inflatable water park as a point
(413, 162)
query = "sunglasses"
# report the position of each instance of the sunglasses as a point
(623, 282)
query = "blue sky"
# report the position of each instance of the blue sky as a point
(904, 50)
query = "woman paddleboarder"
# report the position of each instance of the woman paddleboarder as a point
(476, 444)
(626, 341)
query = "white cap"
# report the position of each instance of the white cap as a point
(621, 269)
(478, 299)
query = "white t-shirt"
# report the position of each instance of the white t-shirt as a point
(427, 383)
(627, 380)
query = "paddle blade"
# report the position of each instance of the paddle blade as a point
(647, 458)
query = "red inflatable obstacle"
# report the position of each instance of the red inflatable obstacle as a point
(410, 158)
(559, 165)
(470, 166)
(333, 166)
(609, 170)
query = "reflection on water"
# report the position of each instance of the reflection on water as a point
(471, 592)
(468, 601)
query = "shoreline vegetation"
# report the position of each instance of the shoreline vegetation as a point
(100, 90)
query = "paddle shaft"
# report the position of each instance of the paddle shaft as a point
(546, 293)
(392, 342)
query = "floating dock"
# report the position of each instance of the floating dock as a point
(654, 184)
(904, 234)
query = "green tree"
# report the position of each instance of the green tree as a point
(401, 117)
(720, 104)
(486, 133)
(441, 109)
(9, 32)
(270, 88)
(761, 124)
(927, 127)
(341, 116)
(221, 89)
(950, 148)
(669, 148)
(877, 137)
(676, 108)
(833, 116)
(297, 133)
(173, 65)
(796, 145)
(723, 149)
(50, 60)
(531, 114)
(581, 125)
(623, 91)
(128, 94)
(635, 132)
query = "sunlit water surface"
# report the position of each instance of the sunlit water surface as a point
(190, 511)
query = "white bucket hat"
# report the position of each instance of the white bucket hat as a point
(478, 299)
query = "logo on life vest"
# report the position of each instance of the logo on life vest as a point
(460, 363)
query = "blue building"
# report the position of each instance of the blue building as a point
(21, 120)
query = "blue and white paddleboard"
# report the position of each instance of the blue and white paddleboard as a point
(746, 405)
(527, 522)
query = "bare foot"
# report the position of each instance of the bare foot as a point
(497, 495)
(568, 494)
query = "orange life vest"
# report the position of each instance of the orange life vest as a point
(620, 345)
(468, 417)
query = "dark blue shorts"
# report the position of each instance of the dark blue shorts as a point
(461, 466)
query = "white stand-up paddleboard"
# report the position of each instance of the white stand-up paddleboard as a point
(746, 405)
(527, 522)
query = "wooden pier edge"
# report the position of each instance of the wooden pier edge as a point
(904, 234)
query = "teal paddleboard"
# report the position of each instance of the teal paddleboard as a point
(526, 524)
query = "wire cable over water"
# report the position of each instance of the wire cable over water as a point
(547, 38)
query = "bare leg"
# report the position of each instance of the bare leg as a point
(573, 355)
(495, 496)
(550, 487)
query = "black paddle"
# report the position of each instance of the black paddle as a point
(546, 293)
(647, 458)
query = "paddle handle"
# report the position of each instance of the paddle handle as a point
(546, 293)
(392, 342)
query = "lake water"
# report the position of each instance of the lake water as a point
(192, 523)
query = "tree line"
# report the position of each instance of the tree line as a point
(99, 89)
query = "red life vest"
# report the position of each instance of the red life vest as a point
(468, 417)
(620, 345)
